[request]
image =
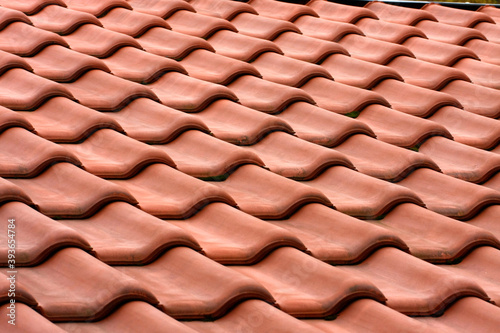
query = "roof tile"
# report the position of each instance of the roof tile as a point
(281, 10)
(455, 16)
(222, 8)
(30, 7)
(22, 294)
(388, 31)
(161, 8)
(437, 52)
(131, 23)
(480, 72)
(33, 321)
(447, 33)
(487, 219)
(198, 25)
(491, 31)
(9, 118)
(62, 20)
(9, 61)
(7, 16)
(399, 14)
(325, 29)
(486, 51)
(261, 27)
(339, 12)
(97, 7)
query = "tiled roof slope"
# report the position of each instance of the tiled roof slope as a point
(221, 166)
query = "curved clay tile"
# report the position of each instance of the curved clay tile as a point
(425, 74)
(281, 10)
(121, 234)
(241, 47)
(455, 16)
(482, 266)
(267, 96)
(62, 64)
(356, 72)
(295, 158)
(65, 191)
(469, 128)
(387, 31)
(338, 12)
(494, 182)
(134, 316)
(359, 195)
(109, 154)
(412, 286)
(437, 52)
(481, 73)
(336, 238)
(62, 20)
(229, 236)
(309, 288)
(33, 321)
(7, 16)
(171, 44)
(487, 220)
(161, 8)
(488, 52)
(325, 29)
(9, 118)
(139, 66)
(341, 98)
(398, 128)
(188, 94)
(284, 70)
(270, 319)
(151, 122)
(476, 99)
(414, 100)
(216, 68)
(203, 156)
(98, 42)
(131, 23)
(167, 193)
(24, 154)
(381, 160)
(22, 90)
(97, 7)
(380, 52)
(262, 27)
(51, 236)
(461, 161)
(222, 8)
(238, 124)
(30, 7)
(105, 92)
(320, 126)
(450, 196)
(95, 289)
(491, 31)
(74, 124)
(198, 25)
(9, 61)
(399, 14)
(22, 294)
(489, 10)
(266, 195)
(433, 237)
(446, 33)
(191, 286)
(33, 40)
(307, 48)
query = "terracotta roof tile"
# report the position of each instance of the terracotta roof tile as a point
(30, 7)
(437, 52)
(320, 126)
(360, 195)
(135, 65)
(7, 16)
(33, 321)
(261, 193)
(240, 125)
(9, 118)
(22, 294)
(74, 124)
(9, 61)
(161, 8)
(230, 236)
(489, 10)
(450, 196)
(262, 27)
(216, 68)
(200, 155)
(337, 238)
(399, 14)
(135, 316)
(358, 73)
(341, 98)
(487, 220)
(241, 47)
(491, 31)
(145, 120)
(175, 279)
(121, 234)
(447, 33)
(412, 286)
(281, 10)
(267, 96)
(51, 236)
(494, 182)
(306, 48)
(97, 7)
(197, 25)
(61, 64)
(485, 50)
(339, 12)
(33, 40)
(120, 19)
(381, 160)
(222, 8)
(98, 42)
(310, 288)
(62, 20)
(480, 72)
(454, 16)
(325, 29)
(387, 31)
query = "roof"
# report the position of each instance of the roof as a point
(221, 166)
